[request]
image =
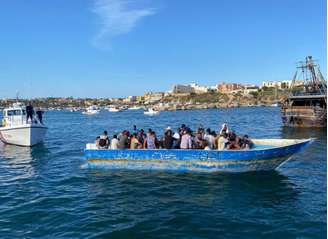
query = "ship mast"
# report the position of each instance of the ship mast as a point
(313, 80)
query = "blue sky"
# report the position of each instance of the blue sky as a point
(116, 48)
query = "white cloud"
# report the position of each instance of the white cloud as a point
(117, 17)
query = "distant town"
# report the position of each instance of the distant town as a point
(180, 97)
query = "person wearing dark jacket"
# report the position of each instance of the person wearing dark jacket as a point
(168, 139)
(29, 112)
(39, 114)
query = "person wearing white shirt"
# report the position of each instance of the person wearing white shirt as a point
(114, 142)
(186, 142)
(210, 138)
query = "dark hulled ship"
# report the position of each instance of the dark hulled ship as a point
(306, 104)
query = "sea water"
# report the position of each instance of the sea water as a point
(45, 192)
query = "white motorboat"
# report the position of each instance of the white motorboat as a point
(74, 109)
(17, 130)
(91, 110)
(275, 105)
(151, 112)
(113, 109)
(134, 108)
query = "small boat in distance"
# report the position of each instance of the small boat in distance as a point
(151, 112)
(91, 110)
(113, 109)
(17, 131)
(134, 108)
(275, 105)
(266, 155)
(74, 109)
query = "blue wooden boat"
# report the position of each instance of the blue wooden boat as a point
(267, 154)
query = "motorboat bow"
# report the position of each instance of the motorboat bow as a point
(151, 112)
(91, 110)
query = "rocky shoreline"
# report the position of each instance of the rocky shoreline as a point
(171, 102)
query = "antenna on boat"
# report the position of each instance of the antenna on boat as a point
(30, 89)
(17, 96)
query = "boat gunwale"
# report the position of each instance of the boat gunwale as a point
(25, 126)
(301, 141)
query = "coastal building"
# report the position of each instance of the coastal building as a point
(213, 88)
(151, 97)
(130, 99)
(198, 89)
(140, 99)
(245, 90)
(190, 88)
(116, 100)
(178, 89)
(133, 98)
(283, 84)
(248, 89)
(229, 87)
(167, 93)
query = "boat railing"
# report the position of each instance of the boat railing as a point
(303, 107)
(316, 108)
(14, 120)
(306, 93)
(299, 108)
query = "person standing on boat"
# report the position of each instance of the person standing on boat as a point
(186, 142)
(150, 142)
(135, 130)
(134, 142)
(103, 141)
(183, 127)
(114, 143)
(198, 140)
(141, 137)
(222, 141)
(124, 140)
(209, 137)
(246, 142)
(224, 129)
(39, 114)
(177, 139)
(233, 141)
(168, 139)
(29, 112)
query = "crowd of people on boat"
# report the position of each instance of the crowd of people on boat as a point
(182, 138)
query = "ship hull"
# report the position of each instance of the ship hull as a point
(304, 117)
(268, 154)
(25, 135)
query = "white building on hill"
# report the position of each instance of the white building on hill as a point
(284, 84)
(190, 88)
